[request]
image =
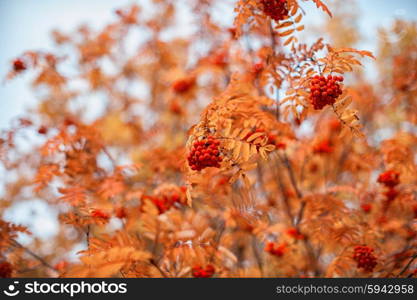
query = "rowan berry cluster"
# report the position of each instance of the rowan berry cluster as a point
(206, 272)
(276, 249)
(389, 178)
(166, 202)
(325, 90)
(276, 9)
(205, 153)
(6, 270)
(365, 258)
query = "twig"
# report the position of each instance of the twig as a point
(113, 161)
(40, 259)
(407, 265)
(287, 164)
(152, 261)
(256, 254)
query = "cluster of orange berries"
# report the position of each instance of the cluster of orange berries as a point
(390, 179)
(199, 272)
(365, 258)
(165, 203)
(276, 9)
(324, 90)
(205, 153)
(276, 249)
(168, 201)
(6, 270)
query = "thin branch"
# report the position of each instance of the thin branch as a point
(30, 252)
(407, 265)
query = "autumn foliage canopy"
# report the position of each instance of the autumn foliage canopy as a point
(239, 150)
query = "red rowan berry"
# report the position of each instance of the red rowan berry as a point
(335, 125)
(232, 31)
(175, 198)
(6, 270)
(365, 258)
(161, 204)
(219, 59)
(183, 85)
(280, 145)
(199, 272)
(223, 180)
(314, 168)
(43, 130)
(366, 207)
(19, 65)
(295, 233)
(175, 108)
(205, 153)
(120, 212)
(257, 68)
(289, 193)
(275, 9)
(391, 194)
(69, 122)
(324, 147)
(415, 210)
(98, 213)
(389, 178)
(324, 91)
(61, 265)
(275, 249)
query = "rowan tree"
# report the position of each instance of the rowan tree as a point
(238, 150)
